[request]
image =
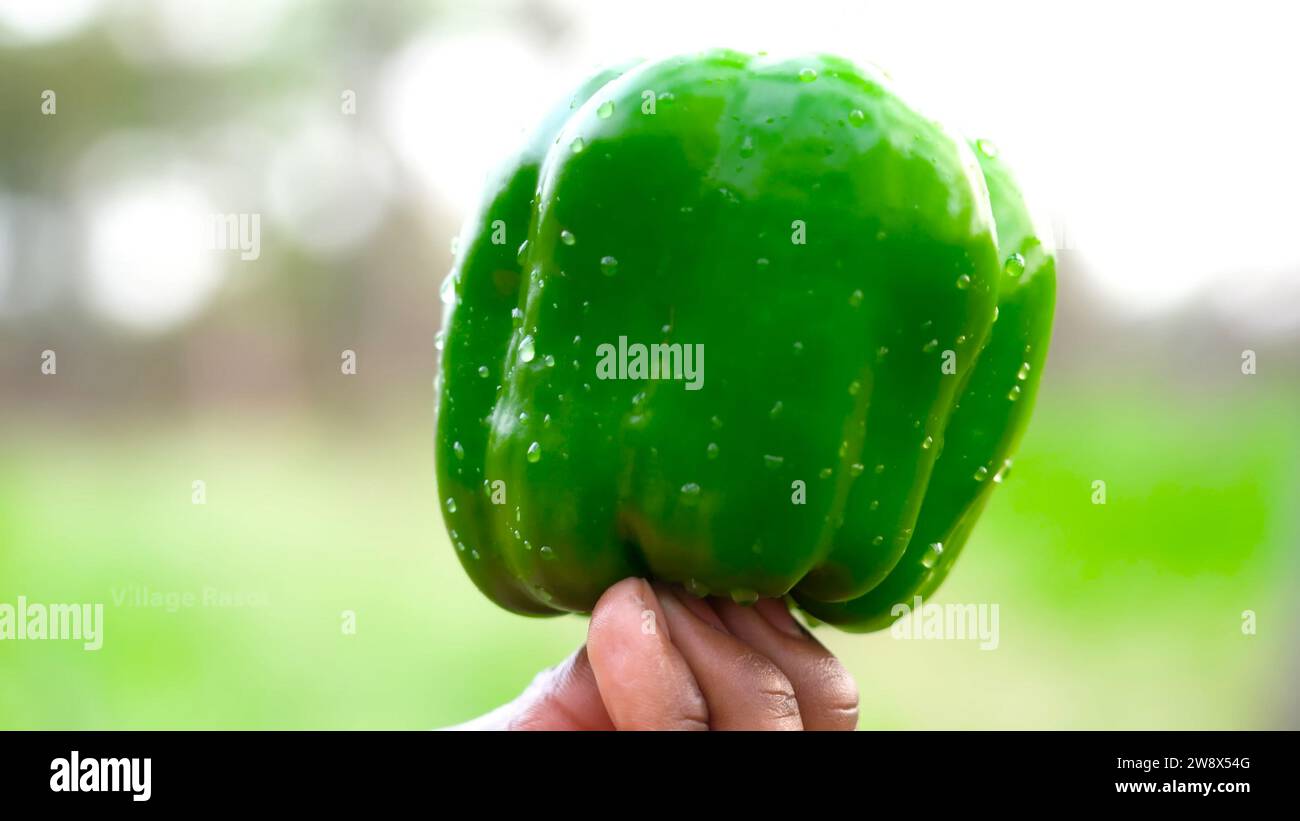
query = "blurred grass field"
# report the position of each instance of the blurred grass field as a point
(1126, 614)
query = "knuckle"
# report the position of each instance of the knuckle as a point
(775, 691)
(838, 693)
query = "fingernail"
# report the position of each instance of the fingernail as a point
(699, 608)
(647, 592)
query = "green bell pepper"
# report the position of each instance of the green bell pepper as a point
(873, 297)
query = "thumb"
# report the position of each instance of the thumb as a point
(644, 681)
(628, 676)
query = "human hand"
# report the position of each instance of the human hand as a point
(658, 658)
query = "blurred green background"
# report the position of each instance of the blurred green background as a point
(177, 362)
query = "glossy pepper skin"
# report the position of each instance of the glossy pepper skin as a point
(873, 301)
